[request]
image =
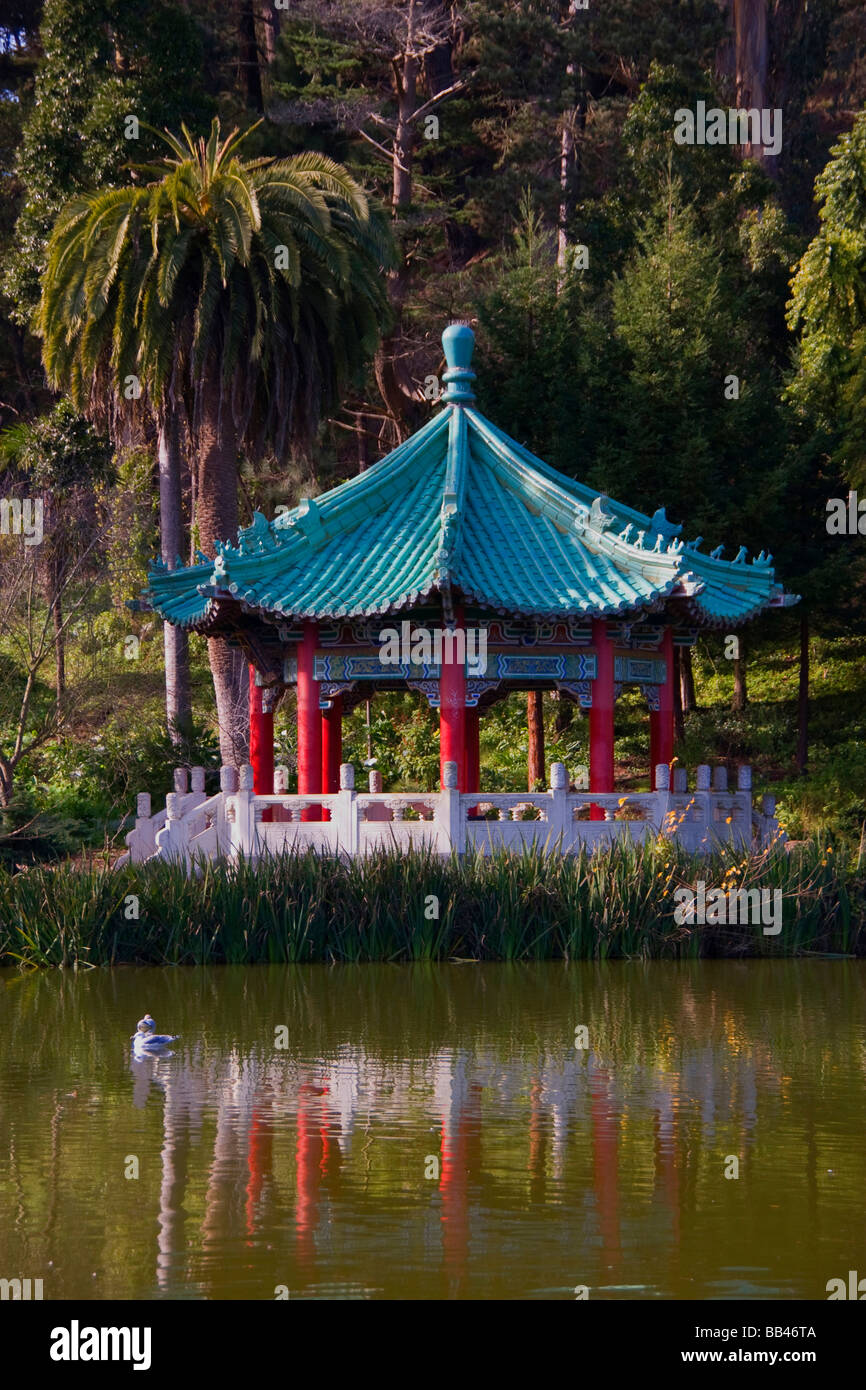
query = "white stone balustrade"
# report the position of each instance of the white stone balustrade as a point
(236, 821)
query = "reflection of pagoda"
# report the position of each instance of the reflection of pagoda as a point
(308, 1114)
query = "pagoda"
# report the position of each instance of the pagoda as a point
(497, 573)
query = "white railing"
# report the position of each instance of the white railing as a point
(237, 821)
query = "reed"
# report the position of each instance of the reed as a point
(301, 907)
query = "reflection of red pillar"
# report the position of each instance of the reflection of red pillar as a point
(662, 719)
(472, 752)
(310, 1167)
(258, 1163)
(261, 741)
(461, 1157)
(601, 717)
(309, 721)
(452, 703)
(332, 747)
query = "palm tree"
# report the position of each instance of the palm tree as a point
(248, 292)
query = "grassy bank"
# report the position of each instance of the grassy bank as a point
(404, 907)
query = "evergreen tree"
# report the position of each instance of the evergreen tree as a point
(109, 71)
(828, 306)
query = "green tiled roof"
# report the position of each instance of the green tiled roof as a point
(461, 510)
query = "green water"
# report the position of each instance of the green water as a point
(433, 1132)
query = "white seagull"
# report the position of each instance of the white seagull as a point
(144, 1039)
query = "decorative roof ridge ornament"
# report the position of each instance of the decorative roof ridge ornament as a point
(601, 518)
(690, 584)
(257, 537)
(458, 344)
(659, 522)
(220, 573)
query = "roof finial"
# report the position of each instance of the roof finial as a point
(458, 341)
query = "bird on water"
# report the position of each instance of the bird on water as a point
(146, 1039)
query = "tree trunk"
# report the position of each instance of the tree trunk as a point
(59, 643)
(406, 82)
(178, 701)
(803, 698)
(564, 714)
(687, 681)
(745, 57)
(740, 697)
(535, 728)
(248, 54)
(566, 158)
(217, 519)
(269, 24)
(361, 436)
(392, 375)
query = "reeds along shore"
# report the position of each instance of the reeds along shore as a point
(406, 907)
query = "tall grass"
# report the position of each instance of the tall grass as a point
(391, 906)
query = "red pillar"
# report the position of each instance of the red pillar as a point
(309, 721)
(601, 717)
(662, 719)
(332, 747)
(452, 705)
(261, 740)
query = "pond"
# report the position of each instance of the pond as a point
(445, 1131)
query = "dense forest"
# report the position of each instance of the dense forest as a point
(677, 324)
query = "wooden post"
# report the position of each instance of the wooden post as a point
(535, 733)
(452, 701)
(332, 747)
(601, 717)
(309, 721)
(662, 719)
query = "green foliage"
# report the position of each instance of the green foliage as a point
(828, 304)
(58, 451)
(131, 526)
(320, 75)
(265, 273)
(103, 60)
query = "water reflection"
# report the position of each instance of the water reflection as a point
(435, 1133)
